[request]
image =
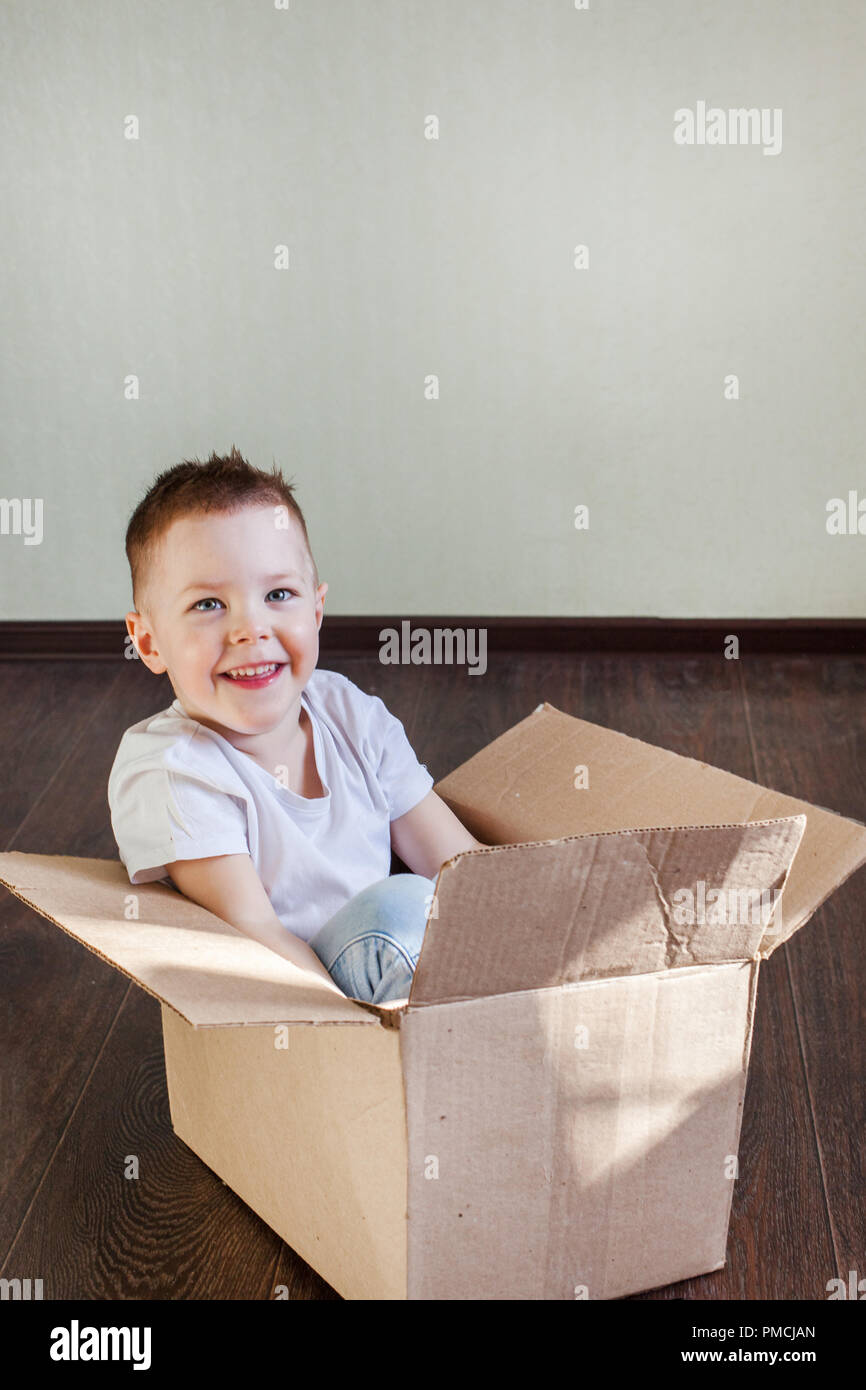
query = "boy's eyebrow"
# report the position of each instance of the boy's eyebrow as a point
(223, 583)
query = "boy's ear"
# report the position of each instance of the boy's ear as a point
(144, 644)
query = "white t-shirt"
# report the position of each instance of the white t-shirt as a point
(178, 790)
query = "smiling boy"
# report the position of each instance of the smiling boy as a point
(270, 792)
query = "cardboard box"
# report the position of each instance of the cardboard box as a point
(555, 1112)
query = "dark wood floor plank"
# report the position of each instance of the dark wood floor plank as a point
(174, 1232)
(809, 730)
(451, 715)
(44, 709)
(59, 1003)
(58, 1000)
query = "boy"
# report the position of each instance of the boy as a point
(269, 792)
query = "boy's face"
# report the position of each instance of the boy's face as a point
(228, 590)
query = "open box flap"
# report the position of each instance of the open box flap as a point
(197, 964)
(522, 787)
(629, 902)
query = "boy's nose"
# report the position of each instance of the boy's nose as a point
(249, 626)
(249, 632)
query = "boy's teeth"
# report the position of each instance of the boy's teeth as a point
(246, 671)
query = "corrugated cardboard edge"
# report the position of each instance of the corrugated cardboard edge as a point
(415, 1002)
(201, 917)
(747, 1053)
(797, 805)
(43, 912)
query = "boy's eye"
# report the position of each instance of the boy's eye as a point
(196, 605)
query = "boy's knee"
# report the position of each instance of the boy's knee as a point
(402, 903)
(400, 889)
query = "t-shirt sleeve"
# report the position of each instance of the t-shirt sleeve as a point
(402, 778)
(160, 814)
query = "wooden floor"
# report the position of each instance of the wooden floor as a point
(83, 1080)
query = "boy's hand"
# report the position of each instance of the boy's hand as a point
(428, 835)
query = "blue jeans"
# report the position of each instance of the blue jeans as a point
(370, 947)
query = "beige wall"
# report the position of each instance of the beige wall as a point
(410, 257)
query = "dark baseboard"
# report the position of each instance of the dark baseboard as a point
(107, 640)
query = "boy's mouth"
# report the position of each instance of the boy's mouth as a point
(253, 677)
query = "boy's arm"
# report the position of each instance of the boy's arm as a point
(228, 885)
(428, 835)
